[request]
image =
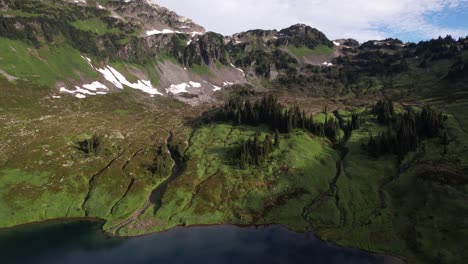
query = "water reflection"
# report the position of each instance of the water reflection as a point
(82, 242)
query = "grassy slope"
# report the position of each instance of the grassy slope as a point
(370, 207)
(214, 190)
(94, 25)
(39, 157)
(53, 63)
(305, 51)
(399, 213)
(434, 214)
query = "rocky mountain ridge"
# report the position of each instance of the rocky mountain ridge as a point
(167, 54)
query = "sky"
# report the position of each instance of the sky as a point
(408, 20)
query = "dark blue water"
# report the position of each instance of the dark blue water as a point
(82, 242)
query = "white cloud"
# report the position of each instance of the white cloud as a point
(360, 19)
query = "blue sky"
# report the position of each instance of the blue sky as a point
(409, 20)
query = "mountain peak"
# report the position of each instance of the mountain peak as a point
(152, 17)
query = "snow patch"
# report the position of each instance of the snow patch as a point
(87, 89)
(215, 88)
(182, 87)
(178, 88)
(141, 85)
(328, 64)
(118, 80)
(239, 69)
(336, 43)
(164, 31)
(110, 77)
(83, 91)
(226, 83)
(88, 60)
(65, 90)
(195, 84)
(94, 86)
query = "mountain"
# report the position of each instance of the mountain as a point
(177, 54)
(127, 112)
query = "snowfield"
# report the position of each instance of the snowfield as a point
(182, 87)
(112, 76)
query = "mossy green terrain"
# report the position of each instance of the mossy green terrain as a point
(305, 51)
(94, 25)
(343, 195)
(214, 189)
(55, 63)
(160, 164)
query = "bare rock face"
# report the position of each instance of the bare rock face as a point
(207, 49)
(351, 43)
(151, 16)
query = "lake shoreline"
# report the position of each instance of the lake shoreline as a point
(393, 259)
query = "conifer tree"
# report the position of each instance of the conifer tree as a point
(277, 139)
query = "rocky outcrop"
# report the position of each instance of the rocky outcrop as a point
(152, 16)
(302, 35)
(207, 49)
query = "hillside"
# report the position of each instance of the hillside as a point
(127, 112)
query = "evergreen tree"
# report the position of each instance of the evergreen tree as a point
(277, 139)
(268, 111)
(91, 145)
(405, 132)
(445, 142)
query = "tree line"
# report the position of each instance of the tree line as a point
(404, 132)
(270, 112)
(255, 152)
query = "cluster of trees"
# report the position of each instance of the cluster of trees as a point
(162, 162)
(437, 49)
(384, 110)
(353, 124)
(255, 152)
(388, 44)
(458, 70)
(405, 132)
(259, 59)
(315, 80)
(378, 63)
(270, 112)
(91, 145)
(284, 61)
